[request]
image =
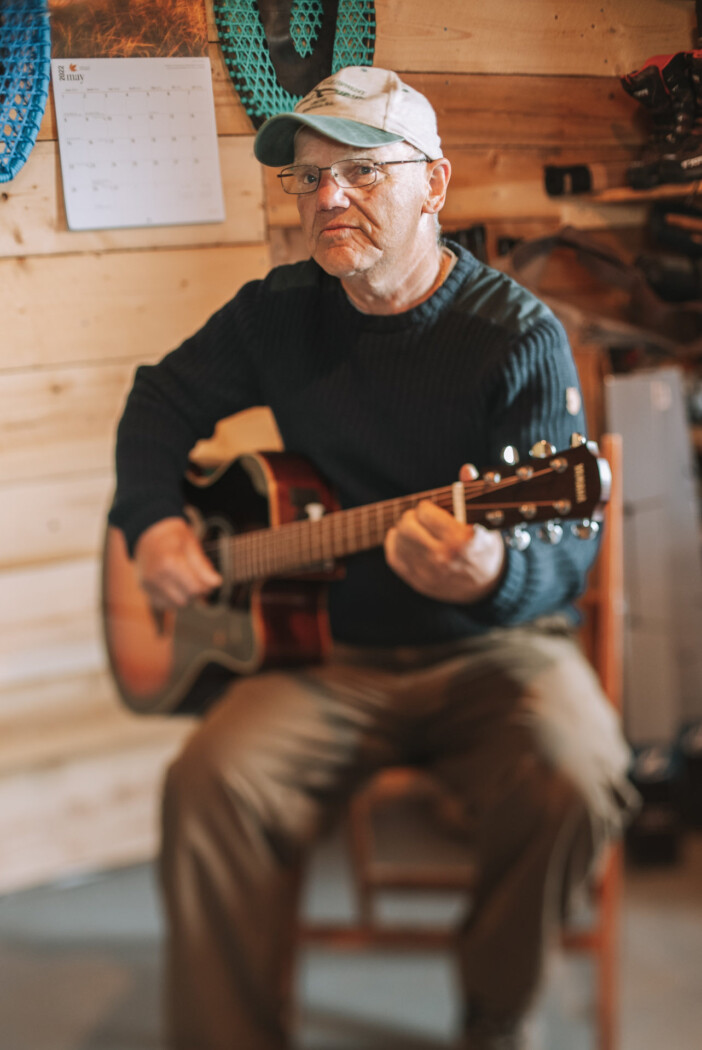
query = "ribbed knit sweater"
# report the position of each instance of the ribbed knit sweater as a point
(384, 406)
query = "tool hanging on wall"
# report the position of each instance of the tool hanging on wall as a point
(677, 225)
(668, 87)
(636, 317)
(25, 71)
(277, 50)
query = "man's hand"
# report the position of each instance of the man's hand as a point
(172, 566)
(443, 558)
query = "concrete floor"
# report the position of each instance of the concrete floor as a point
(80, 964)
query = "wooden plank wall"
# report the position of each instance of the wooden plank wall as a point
(516, 85)
(78, 775)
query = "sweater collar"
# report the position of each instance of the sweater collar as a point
(465, 266)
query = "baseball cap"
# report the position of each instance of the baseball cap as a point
(359, 106)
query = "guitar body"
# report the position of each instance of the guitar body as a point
(178, 662)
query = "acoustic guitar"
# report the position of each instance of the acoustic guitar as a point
(275, 533)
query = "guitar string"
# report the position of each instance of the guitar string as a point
(297, 544)
(344, 521)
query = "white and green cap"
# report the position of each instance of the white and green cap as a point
(359, 106)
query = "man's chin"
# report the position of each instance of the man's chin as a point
(340, 260)
(338, 263)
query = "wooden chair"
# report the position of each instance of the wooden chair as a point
(602, 605)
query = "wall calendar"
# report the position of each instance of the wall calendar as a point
(135, 113)
(138, 142)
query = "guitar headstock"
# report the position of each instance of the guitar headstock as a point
(550, 487)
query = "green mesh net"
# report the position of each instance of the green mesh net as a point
(25, 70)
(305, 23)
(248, 57)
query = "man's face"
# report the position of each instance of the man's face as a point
(352, 232)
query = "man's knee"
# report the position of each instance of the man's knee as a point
(191, 777)
(224, 785)
(543, 798)
(578, 733)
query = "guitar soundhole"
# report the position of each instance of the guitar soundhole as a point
(215, 533)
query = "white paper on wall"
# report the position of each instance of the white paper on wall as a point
(138, 142)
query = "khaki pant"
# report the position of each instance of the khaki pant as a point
(514, 723)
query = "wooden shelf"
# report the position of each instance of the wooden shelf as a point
(625, 194)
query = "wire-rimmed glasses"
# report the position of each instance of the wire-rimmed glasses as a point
(349, 174)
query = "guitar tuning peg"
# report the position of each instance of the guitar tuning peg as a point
(542, 450)
(509, 456)
(518, 537)
(576, 440)
(586, 529)
(551, 533)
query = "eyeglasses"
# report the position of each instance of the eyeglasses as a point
(349, 174)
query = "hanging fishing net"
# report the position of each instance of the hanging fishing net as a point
(25, 69)
(277, 51)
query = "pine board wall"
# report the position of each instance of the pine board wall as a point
(516, 85)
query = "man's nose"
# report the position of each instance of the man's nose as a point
(329, 193)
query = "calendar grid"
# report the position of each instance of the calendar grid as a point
(138, 142)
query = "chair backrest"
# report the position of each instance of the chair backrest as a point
(603, 602)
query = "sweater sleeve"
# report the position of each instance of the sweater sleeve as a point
(539, 398)
(171, 406)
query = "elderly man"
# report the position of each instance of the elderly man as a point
(389, 358)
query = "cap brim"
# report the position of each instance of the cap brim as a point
(274, 144)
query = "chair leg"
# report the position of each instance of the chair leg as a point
(608, 975)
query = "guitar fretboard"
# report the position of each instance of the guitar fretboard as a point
(306, 544)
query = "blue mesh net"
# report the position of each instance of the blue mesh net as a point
(25, 68)
(248, 60)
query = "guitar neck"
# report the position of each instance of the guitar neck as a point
(308, 544)
(565, 485)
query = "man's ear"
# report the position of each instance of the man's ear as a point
(439, 175)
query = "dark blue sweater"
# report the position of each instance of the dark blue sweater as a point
(384, 406)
